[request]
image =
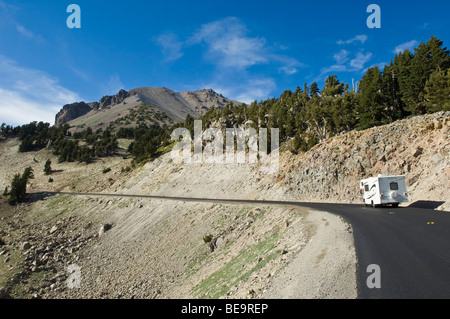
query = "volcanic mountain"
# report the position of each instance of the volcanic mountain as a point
(166, 105)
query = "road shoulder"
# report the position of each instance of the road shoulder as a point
(325, 268)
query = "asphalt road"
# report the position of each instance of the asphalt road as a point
(410, 245)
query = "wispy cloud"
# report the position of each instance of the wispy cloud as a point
(353, 59)
(230, 45)
(24, 31)
(289, 65)
(234, 51)
(346, 64)
(341, 57)
(360, 60)
(256, 89)
(29, 95)
(171, 47)
(113, 85)
(359, 38)
(410, 45)
(249, 90)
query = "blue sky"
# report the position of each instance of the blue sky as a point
(246, 50)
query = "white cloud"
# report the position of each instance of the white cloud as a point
(341, 57)
(345, 64)
(170, 46)
(229, 44)
(410, 45)
(113, 85)
(289, 65)
(233, 50)
(30, 95)
(24, 31)
(256, 89)
(360, 60)
(361, 38)
(247, 91)
(231, 47)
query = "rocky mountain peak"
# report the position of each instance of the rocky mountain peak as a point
(175, 104)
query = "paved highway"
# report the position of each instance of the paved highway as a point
(410, 245)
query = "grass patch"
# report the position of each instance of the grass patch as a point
(124, 204)
(241, 267)
(167, 148)
(6, 273)
(35, 280)
(57, 207)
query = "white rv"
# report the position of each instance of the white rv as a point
(384, 190)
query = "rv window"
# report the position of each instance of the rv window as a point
(366, 188)
(394, 186)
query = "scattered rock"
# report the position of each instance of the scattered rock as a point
(26, 245)
(220, 242)
(418, 151)
(4, 293)
(103, 229)
(53, 229)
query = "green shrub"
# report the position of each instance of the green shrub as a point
(207, 238)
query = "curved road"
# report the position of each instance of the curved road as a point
(410, 245)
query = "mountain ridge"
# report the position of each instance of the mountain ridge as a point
(177, 105)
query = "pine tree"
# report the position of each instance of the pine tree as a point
(19, 186)
(48, 167)
(371, 108)
(332, 87)
(344, 111)
(314, 90)
(437, 91)
(427, 58)
(15, 192)
(318, 118)
(26, 144)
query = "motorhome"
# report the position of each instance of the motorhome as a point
(384, 190)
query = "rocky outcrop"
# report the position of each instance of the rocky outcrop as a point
(111, 100)
(72, 111)
(205, 99)
(75, 110)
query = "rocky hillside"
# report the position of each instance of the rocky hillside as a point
(176, 105)
(417, 147)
